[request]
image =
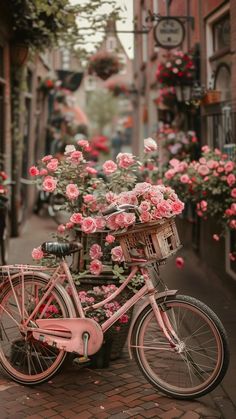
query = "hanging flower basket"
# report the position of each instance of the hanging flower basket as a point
(104, 65)
(179, 69)
(47, 85)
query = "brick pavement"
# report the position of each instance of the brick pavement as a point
(117, 392)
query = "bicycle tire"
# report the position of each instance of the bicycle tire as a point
(24, 359)
(181, 376)
(5, 241)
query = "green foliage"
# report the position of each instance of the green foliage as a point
(43, 23)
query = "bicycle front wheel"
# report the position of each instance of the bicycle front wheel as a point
(26, 360)
(202, 358)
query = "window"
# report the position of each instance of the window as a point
(123, 61)
(223, 81)
(111, 44)
(221, 34)
(90, 84)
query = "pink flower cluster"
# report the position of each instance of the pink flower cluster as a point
(209, 182)
(97, 294)
(154, 202)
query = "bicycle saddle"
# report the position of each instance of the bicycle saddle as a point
(61, 249)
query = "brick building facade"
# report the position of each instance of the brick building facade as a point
(210, 33)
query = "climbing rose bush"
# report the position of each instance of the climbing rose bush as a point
(209, 182)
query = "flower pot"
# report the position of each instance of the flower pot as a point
(102, 358)
(212, 96)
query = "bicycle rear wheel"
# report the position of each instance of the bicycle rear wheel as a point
(26, 360)
(203, 356)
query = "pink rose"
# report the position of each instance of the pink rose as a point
(231, 179)
(69, 149)
(43, 172)
(109, 238)
(179, 262)
(33, 171)
(129, 219)
(69, 225)
(174, 163)
(84, 144)
(76, 156)
(37, 253)
(125, 160)
(100, 223)
(110, 197)
(229, 166)
(184, 179)
(72, 191)
(95, 251)
(61, 228)
(232, 257)
(109, 167)
(203, 170)
(91, 170)
(203, 205)
(144, 206)
(233, 208)
(145, 217)
(95, 267)
(46, 158)
(88, 198)
(88, 225)
(150, 145)
(117, 254)
(52, 165)
(206, 149)
(76, 218)
(233, 193)
(170, 174)
(232, 224)
(177, 207)
(216, 237)
(49, 184)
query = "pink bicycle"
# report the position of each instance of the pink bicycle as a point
(177, 341)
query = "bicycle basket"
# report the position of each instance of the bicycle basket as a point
(156, 240)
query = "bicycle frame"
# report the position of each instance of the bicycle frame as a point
(62, 273)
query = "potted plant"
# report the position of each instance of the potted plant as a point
(212, 95)
(104, 65)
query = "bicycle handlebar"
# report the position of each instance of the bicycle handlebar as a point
(119, 208)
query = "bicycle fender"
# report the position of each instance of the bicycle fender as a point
(168, 293)
(60, 288)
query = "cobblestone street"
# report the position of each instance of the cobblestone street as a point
(120, 391)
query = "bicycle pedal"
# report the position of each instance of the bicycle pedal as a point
(81, 360)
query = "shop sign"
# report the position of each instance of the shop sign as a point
(169, 32)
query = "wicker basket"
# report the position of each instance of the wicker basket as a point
(212, 96)
(156, 240)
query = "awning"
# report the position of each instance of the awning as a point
(70, 80)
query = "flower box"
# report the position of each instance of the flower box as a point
(212, 96)
(154, 241)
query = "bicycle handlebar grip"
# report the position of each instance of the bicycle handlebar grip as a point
(110, 210)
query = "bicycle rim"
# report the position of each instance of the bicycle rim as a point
(203, 358)
(24, 359)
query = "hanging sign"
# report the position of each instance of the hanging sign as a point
(169, 32)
